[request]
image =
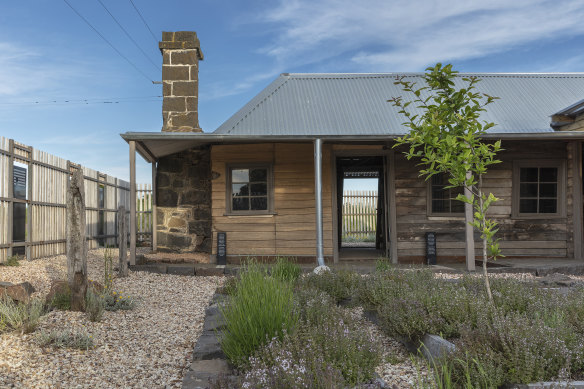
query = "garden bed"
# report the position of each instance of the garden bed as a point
(530, 333)
(148, 346)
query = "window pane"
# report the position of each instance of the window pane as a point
(528, 206)
(456, 206)
(528, 190)
(259, 203)
(240, 203)
(259, 189)
(240, 189)
(439, 179)
(528, 174)
(101, 202)
(548, 174)
(240, 175)
(548, 206)
(548, 190)
(439, 193)
(259, 175)
(440, 206)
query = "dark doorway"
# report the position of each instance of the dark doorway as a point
(361, 208)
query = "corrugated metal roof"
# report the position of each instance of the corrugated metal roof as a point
(356, 104)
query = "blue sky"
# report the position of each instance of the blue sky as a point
(48, 53)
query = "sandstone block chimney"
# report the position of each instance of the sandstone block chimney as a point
(181, 53)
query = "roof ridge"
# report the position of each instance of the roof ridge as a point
(419, 74)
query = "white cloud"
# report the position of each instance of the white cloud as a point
(404, 35)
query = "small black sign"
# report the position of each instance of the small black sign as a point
(221, 248)
(430, 248)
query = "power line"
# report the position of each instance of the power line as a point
(128, 35)
(106, 100)
(108, 42)
(144, 21)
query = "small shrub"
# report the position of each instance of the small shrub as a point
(286, 270)
(62, 300)
(20, 317)
(115, 301)
(94, 305)
(11, 261)
(65, 339)
(327, 350)
(261, 308)
(382, 265)
(340, 285)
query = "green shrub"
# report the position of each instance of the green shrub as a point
(261, 308)
(340, 285)
(328, 350)
(229, 287)
(115, 301)
(382, 264)
(20, 317)
(62, 300)
(65, 339)
(286, 270)
(94, 305)
(11, 261)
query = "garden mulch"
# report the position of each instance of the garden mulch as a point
(148, 347)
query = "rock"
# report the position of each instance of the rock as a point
(557, 279)
(321, 269)
(20, 292)
(58, 287)
(435, 346)
(207, 271)
(202, 372)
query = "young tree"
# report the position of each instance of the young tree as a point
(76, 242)
(446, 137)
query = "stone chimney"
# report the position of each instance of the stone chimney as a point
(181, 52)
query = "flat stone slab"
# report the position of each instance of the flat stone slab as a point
(200, 373)
(180, 270)
(209, 271)
(542, 385)
(160, 269)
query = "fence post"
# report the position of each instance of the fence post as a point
(123, 239)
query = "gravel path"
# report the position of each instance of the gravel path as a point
(148, 347)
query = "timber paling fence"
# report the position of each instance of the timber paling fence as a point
(143, 212)
(359, 214)
(33, 202)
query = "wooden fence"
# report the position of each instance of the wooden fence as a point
(359, 215)
(143, 212)
(40, 203)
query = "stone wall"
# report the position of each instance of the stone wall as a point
(183, 188)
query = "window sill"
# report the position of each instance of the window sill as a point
(538, 216)
(446, 217)
(254, 214)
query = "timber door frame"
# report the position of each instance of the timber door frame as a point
(389, 197)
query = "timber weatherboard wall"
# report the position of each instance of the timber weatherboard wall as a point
(520, 236)
(47, 182)
(290, 229)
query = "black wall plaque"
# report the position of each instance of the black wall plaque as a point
(221, 248)
(430, 248)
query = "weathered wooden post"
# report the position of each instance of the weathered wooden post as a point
(76, 242)
(123, 242)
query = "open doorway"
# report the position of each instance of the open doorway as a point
(361, 207)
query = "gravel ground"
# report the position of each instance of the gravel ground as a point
(148, 347)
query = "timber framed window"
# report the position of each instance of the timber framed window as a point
(442, 201)
(538, 188)
(249, 189)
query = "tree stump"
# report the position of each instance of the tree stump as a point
(123, 242)
(76, 242)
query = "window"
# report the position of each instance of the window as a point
(538, 188)
(249, 189)
(443, 200)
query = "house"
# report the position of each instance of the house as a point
(271, 176)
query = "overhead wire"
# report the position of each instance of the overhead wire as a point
(106, 100)
(144, 21)
(108, 42)
(128, 35)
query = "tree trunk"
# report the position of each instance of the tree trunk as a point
(485, 253)
(123, 242)
(76, 242)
